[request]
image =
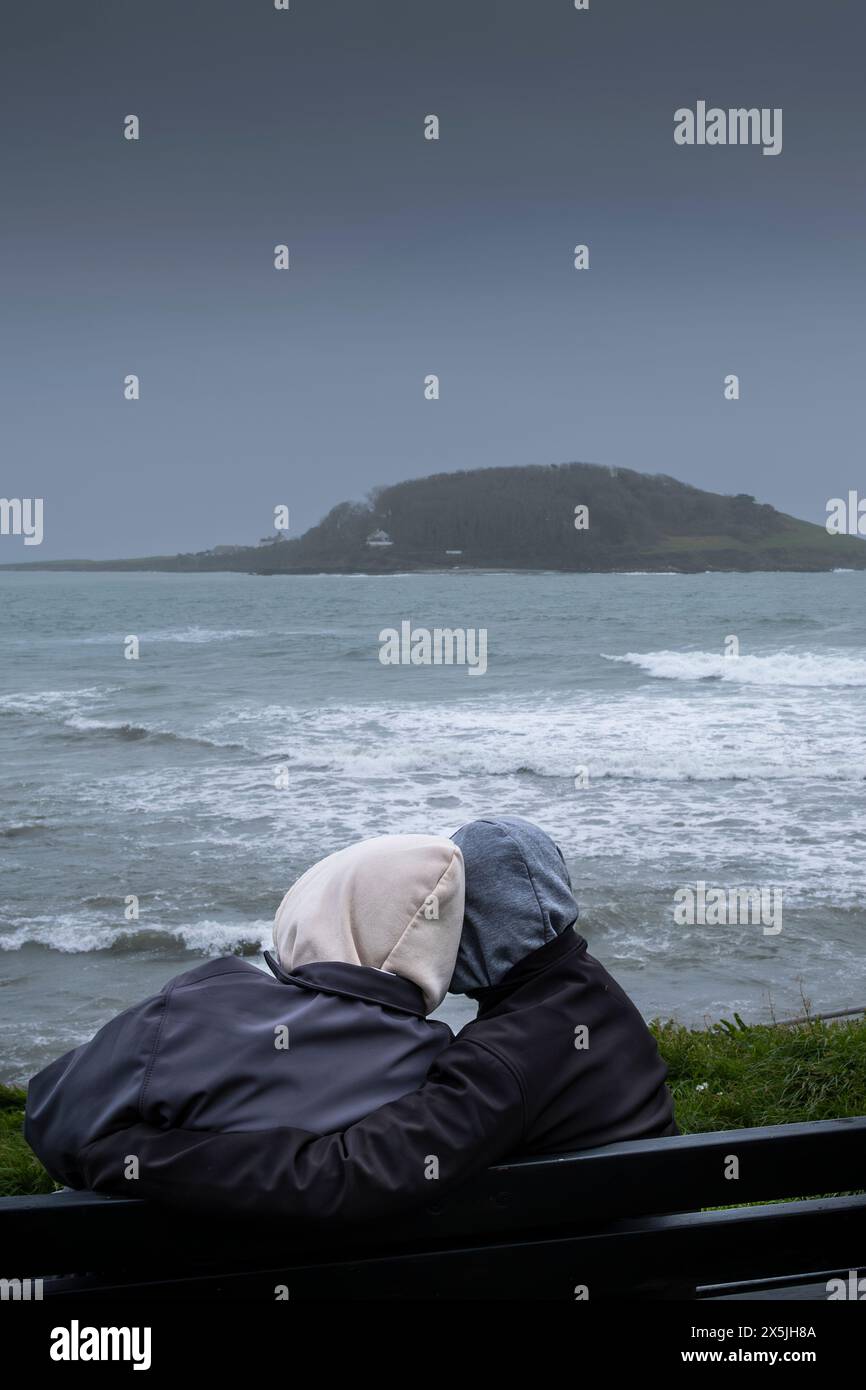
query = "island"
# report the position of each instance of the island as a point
(571, 517)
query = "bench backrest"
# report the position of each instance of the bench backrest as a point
(514, 1222)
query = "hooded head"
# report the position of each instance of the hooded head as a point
(518, 897)
(394, 902)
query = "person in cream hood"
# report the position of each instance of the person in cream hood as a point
(366, 942)
(394, 903)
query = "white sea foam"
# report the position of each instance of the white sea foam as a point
(54, 702)
(84, 725)
(65, 932)
(82, 933)
(645, 737)
(830, 668)
(220, 938)
(190, 634)
(632, 736)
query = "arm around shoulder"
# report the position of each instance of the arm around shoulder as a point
(469, 1113)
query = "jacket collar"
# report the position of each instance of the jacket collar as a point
(544, 958)
(354, 982)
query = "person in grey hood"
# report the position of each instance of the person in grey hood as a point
(521, 898)
(557, 1060)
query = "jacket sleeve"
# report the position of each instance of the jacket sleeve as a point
(468, 1113)
(93, 1090)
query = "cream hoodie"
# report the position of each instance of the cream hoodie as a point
(394, 902)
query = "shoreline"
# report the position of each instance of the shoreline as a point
(310, 572)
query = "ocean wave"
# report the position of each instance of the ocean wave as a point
(657, 765)
(646, 735)
(194, 635)
(72, 709)
(22, 831)
(133, 733)
(54, 702)
(807, 669)
(77, 935)
(402, 771)
(652, 736)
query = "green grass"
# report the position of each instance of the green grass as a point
(728, 1077)
(736, 1077)
(21, 1173)
(798, 542)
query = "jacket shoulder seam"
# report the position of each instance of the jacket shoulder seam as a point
(183, 982)
(151, 1062)
(509, 1065)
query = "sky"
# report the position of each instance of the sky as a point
(411, 257)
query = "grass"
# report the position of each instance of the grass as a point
(730, 1076)
(21, 1173)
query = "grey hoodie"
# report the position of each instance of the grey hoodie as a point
(518, 897)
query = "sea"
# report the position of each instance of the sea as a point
(668, 730)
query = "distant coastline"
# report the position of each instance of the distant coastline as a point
(574, 518)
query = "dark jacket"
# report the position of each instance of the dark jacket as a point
(513, 1082)
(229, 1047)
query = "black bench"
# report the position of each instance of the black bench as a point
(627, 1221)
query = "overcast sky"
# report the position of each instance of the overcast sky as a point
(411, 257)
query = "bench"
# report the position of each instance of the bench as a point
(629, 1221)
